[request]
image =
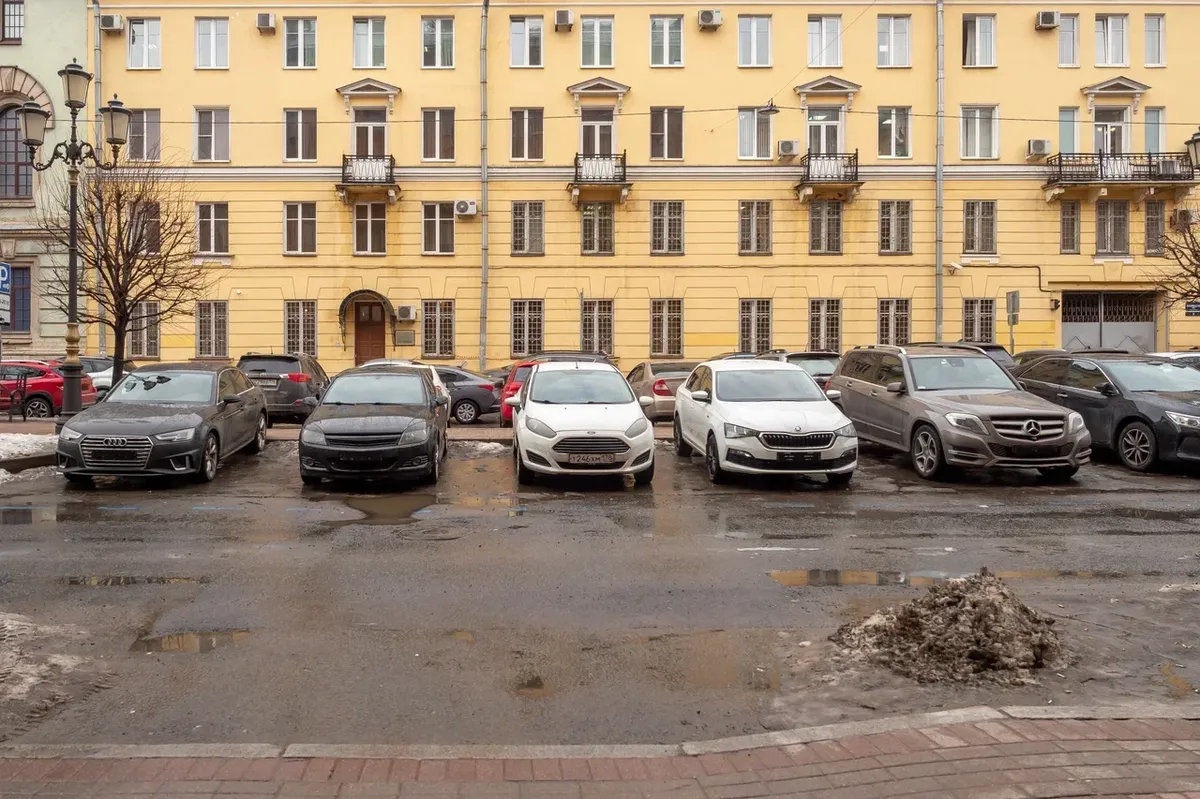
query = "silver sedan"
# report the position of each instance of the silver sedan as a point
(659, 380)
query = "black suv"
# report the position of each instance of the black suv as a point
(285, 380)
(1146, 409)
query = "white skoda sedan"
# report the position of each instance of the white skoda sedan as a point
(763, 417)
(580, 418)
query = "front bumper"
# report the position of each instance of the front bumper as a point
(414, 460)
(751, 456)
(555, 455)
(963, 448)
(154, 458)
(1175, 445)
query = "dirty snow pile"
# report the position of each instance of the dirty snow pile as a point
(17, 445)
(480, 449)
(972, 630)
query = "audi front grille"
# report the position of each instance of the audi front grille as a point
(115, 452)
(790, 441)
(591, 446)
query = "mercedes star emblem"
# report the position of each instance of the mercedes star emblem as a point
(1032, 428)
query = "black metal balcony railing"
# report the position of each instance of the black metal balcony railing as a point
(830, 167)
(600, 169)
(1084, 168)
(368, 170)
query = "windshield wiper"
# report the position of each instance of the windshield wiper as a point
(149, 383)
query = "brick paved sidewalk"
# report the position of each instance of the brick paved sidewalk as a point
(986, 760)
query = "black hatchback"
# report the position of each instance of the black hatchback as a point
(286, 380)
(1145, 409)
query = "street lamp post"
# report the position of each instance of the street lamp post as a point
(74, 153)
(1193, 149)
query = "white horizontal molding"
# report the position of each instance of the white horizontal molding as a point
(990, 4)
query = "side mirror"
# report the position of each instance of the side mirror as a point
(895, 388)
(513, 402)
(700, 396)
(645, 402)
(833, 394)
(500, 381)
(1107, 389)
(230, 399)
(439, 401)
(311, 402)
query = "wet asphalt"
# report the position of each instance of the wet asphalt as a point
(256, 610)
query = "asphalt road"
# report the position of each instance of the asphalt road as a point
(256, 610)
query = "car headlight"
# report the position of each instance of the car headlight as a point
(968, 422)
(1181, 421)
(177, 435)
(540, 428)
(417, 433)
(67, 434)
(847, 432)
(311, 435)
(1075, 422)
(637, 428)
(737, 431)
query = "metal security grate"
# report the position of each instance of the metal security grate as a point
(596, 237)
(979, 226)
(14, 20)
(526, 326)
(894, 322)
(143, 330)
(300, 333)
(754, 227)
(825, 325)
(528, 226)
(211, 329)
(1128, 307)
(979, 320)
(754, 326)
(437, 331)
(666, 328)
(596, 326)
(666, 227)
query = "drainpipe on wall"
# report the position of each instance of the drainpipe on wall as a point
(940, 178)
(101, 329)
(483, 186)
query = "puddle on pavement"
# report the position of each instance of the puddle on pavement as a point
(124, 579)
(825, 578)
(188, 643)
(466, 636)
(388, 509)
(26, 515)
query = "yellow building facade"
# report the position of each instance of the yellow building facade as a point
(664, 180)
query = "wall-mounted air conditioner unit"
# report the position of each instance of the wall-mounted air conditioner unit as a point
(789, 148)
(1047, 20)
(564, 18)
(265, 22)
(406, 313)
(112, 23)
(465, 208)
(709, 19)
(1038, 148)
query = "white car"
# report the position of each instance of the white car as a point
(437, 379)
(763, 417)
(580, 418)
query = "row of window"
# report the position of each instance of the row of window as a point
(597, 234)
(597, 46)
(527, 326)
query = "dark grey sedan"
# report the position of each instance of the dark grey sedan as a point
(169, 419)
(471, 395)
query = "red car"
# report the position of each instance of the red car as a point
(512, 386)
(43, 388)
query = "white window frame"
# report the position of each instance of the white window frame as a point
(1070, 214)
(985, 46)
(371, 218)
(371, 23)
(219, 30)
(439, 120)
(440, 60)
(757, 209)
(1068, 119)
(595, 21)
(1155, 225)
(750, 57)
(149, 120)
(298, 114)
(218, 328)
(893, 112)
(889, 312)
(750, 314)
(149, 54)
(215, 136)
(532, 227)
(523, 113)
(1107, 230)
(594, 314)
(825, 222)
(602, 215)
(435, 315)
(1160, 39)
(825, 40)
(898, 237)
(1105, 38)
(672, 25)
(207, 247)
(300, 35)
(1161, 113)
(663, 215)
(528, 22)
(145, 339)
(979, 231)
(979, 312)
(439, 216)
(305, 316)
(825, 324)
(1068, 37)
(662, 313)
(969, 114)
(663, 113)
(886, 34)
(525, 312)
(300, 221)
(758, 117)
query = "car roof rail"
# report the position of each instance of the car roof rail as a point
(1102, 351)
(887, 347)
(957, 346)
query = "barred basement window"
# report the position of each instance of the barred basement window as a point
(526, 327)
(894, 322)
(666, 328)
(437, 339)
(300, 326)
(1156, 227)
(528, 228)
(1068, 216)
(596, 235)
(979, 227)
(596, 326)
(143, 330)
(754, 326)
(825, 325)
(666, 227)
(979, 320)
(825, 227)
(895, 227)
(212, 329)
(1112, 227)
(754, 227)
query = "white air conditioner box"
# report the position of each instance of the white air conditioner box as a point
(1047, 20)
(265, 22)
(465, 208)
(112, 23)
(1038, 148)
(564, 18)
(789, 148)
(709, 19)
(406, 313)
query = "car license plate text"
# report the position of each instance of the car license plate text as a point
(589, 458)
(799, 457)
(264, 383)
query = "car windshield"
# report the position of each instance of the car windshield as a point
(815, 366)
(1001, 357)
(948, 372)
(767, 385)
(682, 369)
(1154, 375)
(278, 366)
(168, 388)
(580, 387)
(380, 389)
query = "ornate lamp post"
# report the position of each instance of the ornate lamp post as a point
(74, 153)
(1193, 149)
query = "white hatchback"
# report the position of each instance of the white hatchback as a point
(763, 417)
(580, 418)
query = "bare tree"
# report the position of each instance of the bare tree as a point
(1180, 282)
(137, 264)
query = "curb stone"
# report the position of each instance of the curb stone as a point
(24, 462)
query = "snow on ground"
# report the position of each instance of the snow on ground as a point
(480, 449)
(16, 445)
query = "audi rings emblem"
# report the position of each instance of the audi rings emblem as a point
(115, 442)
(1032, 428)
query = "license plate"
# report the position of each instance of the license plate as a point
(263, 382)
(119, 455)
(799, 457)
(587, 458)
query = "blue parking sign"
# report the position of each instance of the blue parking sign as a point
(5, 294)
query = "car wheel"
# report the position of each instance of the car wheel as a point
(259, 443)
(210, 454)
(839, 479)
(310, 479)
(78, 479)
(435, 466)
(525, 475)
(712, 460)
(1058, 474)
(682, 448)
(926, 452)
(39, 408)
(1137, 447)
(645, 476)
(466, 412)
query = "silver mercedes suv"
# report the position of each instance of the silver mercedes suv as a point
(951, 405)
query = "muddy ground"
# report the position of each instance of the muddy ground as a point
(254, 610)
